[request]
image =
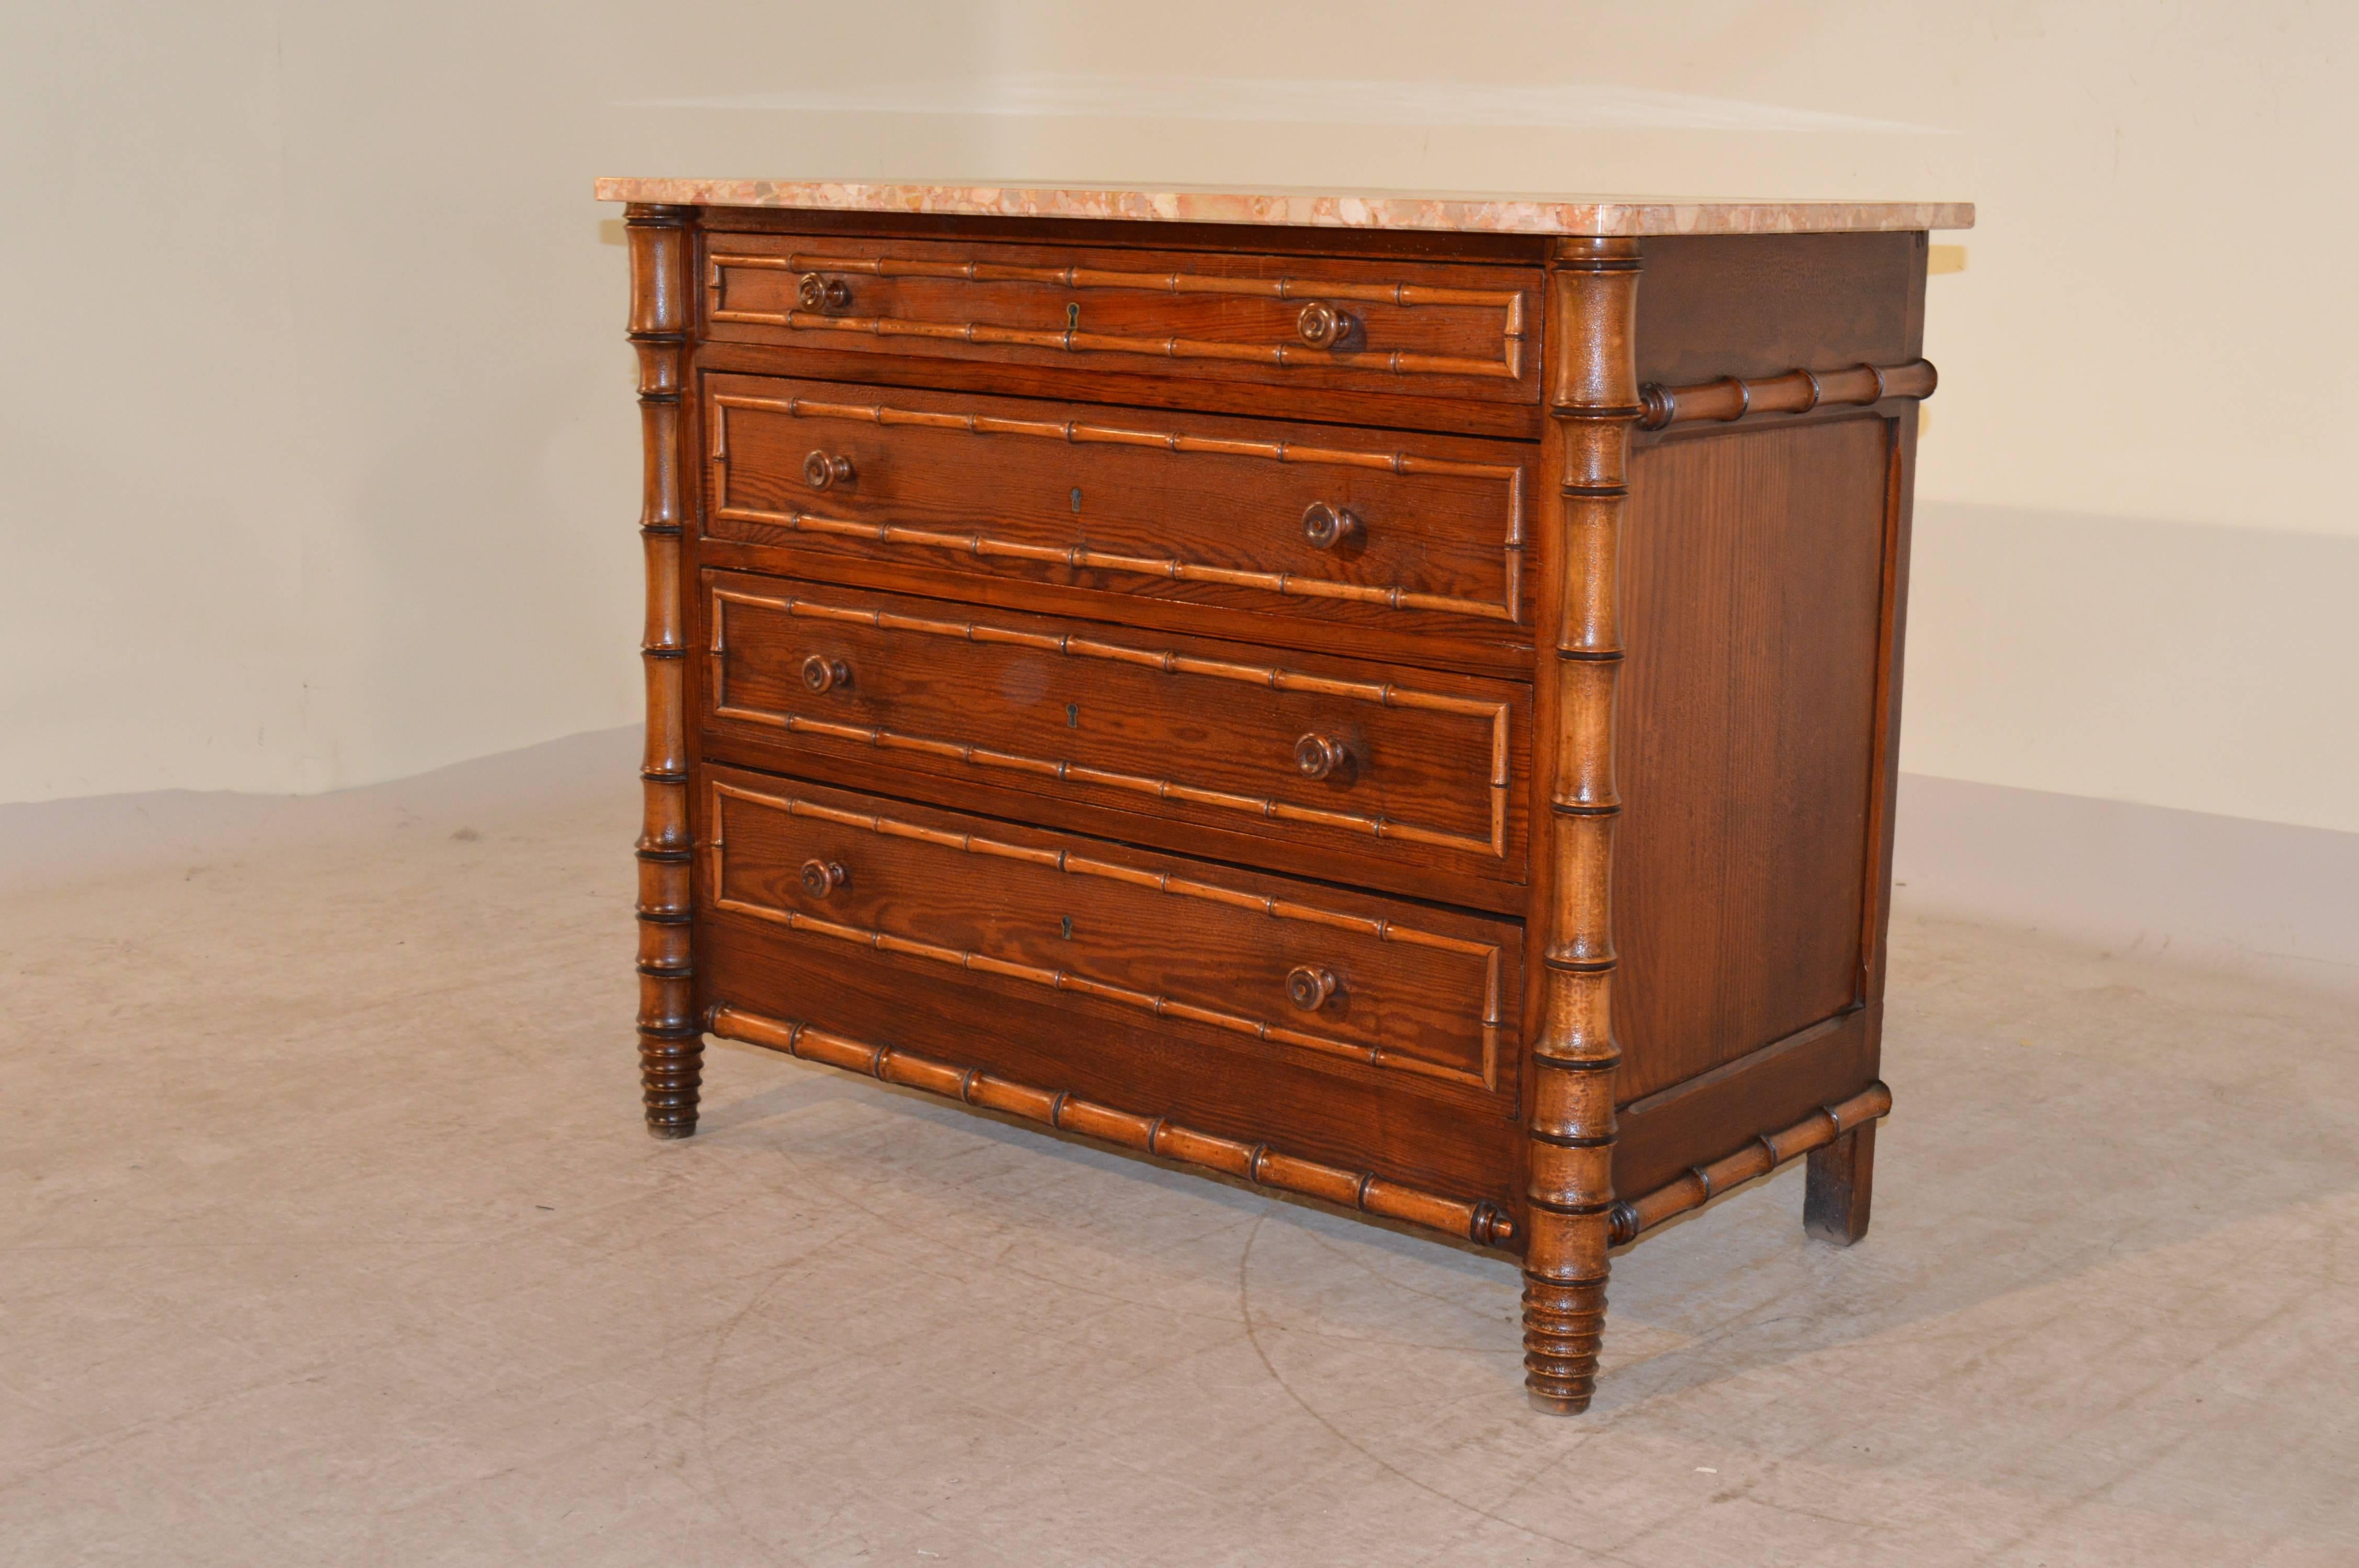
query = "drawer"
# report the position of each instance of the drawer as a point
(1318, 525)
(1395, 768)
(1293, 971)
(1438, 330)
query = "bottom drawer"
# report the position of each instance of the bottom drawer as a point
(1326, 1022)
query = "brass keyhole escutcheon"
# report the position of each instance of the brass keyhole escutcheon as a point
(1077, 499)
(1073, 318)
(1066, 928)
(1072, 716)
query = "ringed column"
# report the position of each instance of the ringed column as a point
(1594, 397)
(671, 1040)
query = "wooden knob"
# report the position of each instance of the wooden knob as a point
(1318, 756)
(819, 470)
(1327, 526)
(821, 877)
(823, 674)
(817, 293)
(1323, 326)
(1309, 989)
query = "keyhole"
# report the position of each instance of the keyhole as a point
(1068, 928)
(1072, 317)
(1072, 716)
(1077, 498)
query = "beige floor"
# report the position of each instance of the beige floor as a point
(331, 1237)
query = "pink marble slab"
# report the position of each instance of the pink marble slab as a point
(1618, 216)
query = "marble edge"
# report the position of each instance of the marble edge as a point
(1473, 214)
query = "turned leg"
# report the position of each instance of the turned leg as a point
(1564, 1324)
(671, 1067)
(1841, 1182)
(1592, 400)
(1570, 1197)
(671, 1037)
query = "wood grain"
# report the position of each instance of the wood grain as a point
(1831, 1134)
(1755, 305)
(961, 899)
(1594, 397)
(1483, 1223)
(1462, 330)
(1752, 582)
(1139, 680)
(1429, 771)
(1212, 512)
(671, 1044)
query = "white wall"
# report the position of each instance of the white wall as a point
(318, 447)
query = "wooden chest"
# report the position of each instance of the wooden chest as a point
(1395, 702)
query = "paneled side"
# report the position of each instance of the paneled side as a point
(1752, 577)
(1759, 305)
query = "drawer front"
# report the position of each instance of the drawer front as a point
(1431, 329)
(1403, 766)
(1296, 970)
(1395, 532)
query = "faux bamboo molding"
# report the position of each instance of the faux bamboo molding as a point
(1509, 302)
(1383, 693)
(1114, 871)
(1593, 397)
(1075, 432)
(672, 1042)
(1757, 1159)
(1732, 399)
(1483, 1223)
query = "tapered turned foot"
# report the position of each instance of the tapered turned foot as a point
(1563, 1325)
(1841, 1182)
(671, 1068)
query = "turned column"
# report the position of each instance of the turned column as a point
(1594, 398)
(672, 1042)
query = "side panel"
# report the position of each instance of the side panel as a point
(1762, 305)
(1753, 584)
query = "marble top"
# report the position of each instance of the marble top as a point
(1464, 213)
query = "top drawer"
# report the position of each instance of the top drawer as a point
(1462, 332)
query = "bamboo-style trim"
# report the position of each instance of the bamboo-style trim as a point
(671, 1040)
(1732, 399)
(1509, 302)
(1594, 397)
(1164, 883)
(1757, 1159)
(1382, 694)
(1483, 1223)
(1077, 555)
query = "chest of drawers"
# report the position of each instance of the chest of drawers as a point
(1390, 700)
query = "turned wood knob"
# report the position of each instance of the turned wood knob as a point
(1327, 526)
(821, 877)
(1309, 989)
(1318, 756)
(819, 470)
(823, 674)
(1323, 326)
(816, 293)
